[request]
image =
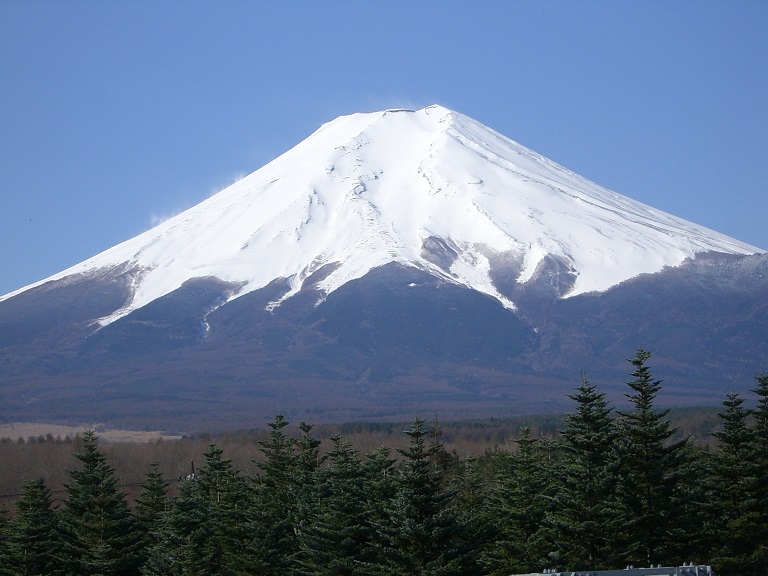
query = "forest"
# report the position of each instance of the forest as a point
(612, 488)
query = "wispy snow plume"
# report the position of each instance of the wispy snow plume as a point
(157, 219)
(231, 180)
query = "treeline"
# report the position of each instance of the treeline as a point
(612, 488)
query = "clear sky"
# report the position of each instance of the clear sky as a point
(115, 115)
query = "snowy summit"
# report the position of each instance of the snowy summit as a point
(432, 189)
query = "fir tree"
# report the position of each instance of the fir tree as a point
(225, 494)
(151, 507)
(36, 543)
(380, 489)
(734, 484)
(206, 531)
(651, 473)
(275, 511)
(586, 506)
(424, 534)
(521, 500)
(759, 454)
(183, 542)
(6, 558)
(338, 541)
(99, 532)
(305, 488)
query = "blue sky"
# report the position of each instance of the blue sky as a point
(114, 115)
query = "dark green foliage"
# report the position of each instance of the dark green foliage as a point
(36, 544)
(227, 496)
(338, 540)
(206, 531)
(521, 500)
(651, 473)
(422, 533)
(6, 567)
(99, 533)
(609, 491)
(274, 521)
(150, 509)
(734, 490)
(759, 452)
(586, 508)
(183, 541)
(305, 479)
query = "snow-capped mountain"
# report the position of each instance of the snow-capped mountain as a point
(430, 188)
(392, 263)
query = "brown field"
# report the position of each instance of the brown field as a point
(26, 430)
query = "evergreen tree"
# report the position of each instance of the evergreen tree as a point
(424, 535)
(275, 512)
(380, 489)
(472, 494)
(36, 544)
(521, 500)
(759, 454)
(206, 531)
(586, 506)
(305, 487)
(183, 542)
(225, 494)
(6, 566)
(734, 482)
(651, 473)
(99, 533)
(338, 541)
(150, 509)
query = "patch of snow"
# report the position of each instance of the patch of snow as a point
(367, 189)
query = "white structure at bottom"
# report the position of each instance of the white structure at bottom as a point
(684, 570)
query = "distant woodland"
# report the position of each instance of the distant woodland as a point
(598, 488)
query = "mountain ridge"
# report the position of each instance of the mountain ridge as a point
(366, 274)
(477, 195)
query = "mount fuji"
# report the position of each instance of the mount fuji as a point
(392, 263)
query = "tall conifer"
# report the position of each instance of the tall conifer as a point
(6, 566)
(759, 451)
(36, 541)
(733, 479)
(274, 525)
(338, 540)
(424, 533)
(586, 506)
(182, 544)
(99, 533)
(521, 499)
(651, 473)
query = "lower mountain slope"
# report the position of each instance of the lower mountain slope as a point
(394, 343)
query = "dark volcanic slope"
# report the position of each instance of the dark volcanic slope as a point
(392, 344)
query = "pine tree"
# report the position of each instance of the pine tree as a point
(275, 511)
(380, 489)
(150, 509)
(338, 541)
(521, 500)
(99, 533)
(206, 530)
(734, 483)
(305, 488)
(226, 496)
(651, 474)
(6, 565)
(759, 454)
(586, 505)
(183, 542)
(424, 535)
(36, 541)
